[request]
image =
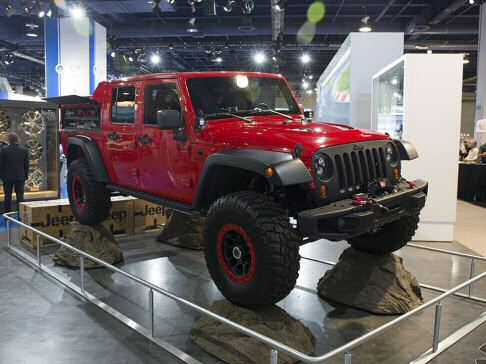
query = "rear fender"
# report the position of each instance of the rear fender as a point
(92, 155)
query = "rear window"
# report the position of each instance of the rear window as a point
(81, 117)
(123, 105)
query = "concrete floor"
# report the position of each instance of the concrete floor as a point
(469, 229)
(43, 322)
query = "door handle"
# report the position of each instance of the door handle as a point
(145, 139)
(114, 136)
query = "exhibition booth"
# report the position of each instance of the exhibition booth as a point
(220, 220)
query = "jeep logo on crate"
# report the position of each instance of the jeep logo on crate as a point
(54, 221)
(150, 211)
(118, 216)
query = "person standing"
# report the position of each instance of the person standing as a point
(14, 170)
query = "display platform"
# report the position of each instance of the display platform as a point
(472, 182)
(183, 272)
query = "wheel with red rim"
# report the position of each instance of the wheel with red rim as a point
(251, 250)
(89, 199)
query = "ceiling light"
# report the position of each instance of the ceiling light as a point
(130, 59)
(32, 34)
(471, 2)
(49, 13)
(228, 7)
(429, 51)
(305, 58)
(155, 58)
(259, 57)
(305, 85)
(41, 14)
(420, 47)
(311, 77)
(218, 60)
(309, 92)
(242, 81)
(365, 27)
(465, 61)
(394, 81)
(77, 12)
(113, 54)
(192, 26)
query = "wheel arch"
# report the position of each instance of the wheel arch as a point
(85, 147)
(229, 170)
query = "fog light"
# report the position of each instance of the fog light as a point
(269, 172)
(324, 191)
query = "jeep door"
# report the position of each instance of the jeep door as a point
(119, 134)
(164, 160)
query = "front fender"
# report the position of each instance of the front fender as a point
(92, 155)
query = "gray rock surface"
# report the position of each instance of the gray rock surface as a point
(375, 283)
(233, 347)
(94, 240)
(182, 230)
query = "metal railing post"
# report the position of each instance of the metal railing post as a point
(38, 251)
(471, 274)
(438, 313)
(273, 356)
(8, 233)
(81, 273)
(347, 358)
(151, 311)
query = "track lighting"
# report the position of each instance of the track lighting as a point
(247, 6)
(228, 7)
(192, 26)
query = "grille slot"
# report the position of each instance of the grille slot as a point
(359, 167)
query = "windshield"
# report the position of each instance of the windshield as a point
(215, 96)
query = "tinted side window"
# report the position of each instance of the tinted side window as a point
(160, 97)
(123, 105)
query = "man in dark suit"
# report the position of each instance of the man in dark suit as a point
(14, 170)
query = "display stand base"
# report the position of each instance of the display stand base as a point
(232, 347)
(374, 283)
(182, 230)
(95, 240)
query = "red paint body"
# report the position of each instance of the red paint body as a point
(171, 168)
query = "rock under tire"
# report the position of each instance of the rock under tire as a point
(94, 207)
(275, 248)
(389, 238)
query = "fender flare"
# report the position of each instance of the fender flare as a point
(406, 150)
(287, 171)
(92, 155)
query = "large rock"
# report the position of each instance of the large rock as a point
(182, 230)
(234, 347)
(374, 283)
(96, 240)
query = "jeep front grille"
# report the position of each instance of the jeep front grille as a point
(355, 166)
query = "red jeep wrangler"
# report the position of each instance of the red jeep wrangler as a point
(235, 148)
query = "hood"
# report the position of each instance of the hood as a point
(280, 134)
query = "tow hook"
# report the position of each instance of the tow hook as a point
(362, 199)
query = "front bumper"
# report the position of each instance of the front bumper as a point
(343, 219)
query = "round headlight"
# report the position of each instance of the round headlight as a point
(391, 154)
(322, 166)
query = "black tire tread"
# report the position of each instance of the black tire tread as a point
(279, 240)
(389, 238)
(97, 196)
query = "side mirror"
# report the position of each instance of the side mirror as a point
(169, 119)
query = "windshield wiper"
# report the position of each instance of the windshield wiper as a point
(275, 112)
(223, 114)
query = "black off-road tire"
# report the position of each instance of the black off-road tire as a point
(261, 222)
(97, 202)
(388, 238)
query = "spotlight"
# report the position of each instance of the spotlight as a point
(465, 61)
(113, 54)
(155, 58)
(471, 2)
(41, 14)
(9, 10)
(365, 26)
(429, 51)
(49, 13)
(394, 81)
(305, 85)
(228, 7)
(218, 60)
(130, 59)
(77, 12)
(192, 26)
(311, 77)
(305, 58)
(259, 57)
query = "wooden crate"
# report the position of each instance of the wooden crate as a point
(52, 217)
(147, 216)
(120, 221)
